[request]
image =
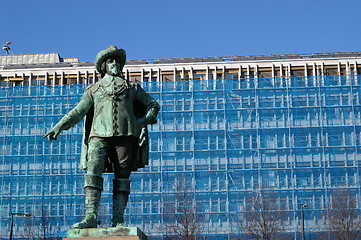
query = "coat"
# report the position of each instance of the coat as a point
(112, 107)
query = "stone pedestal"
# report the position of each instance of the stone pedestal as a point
(114, 233)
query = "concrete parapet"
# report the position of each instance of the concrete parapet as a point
(114, 233)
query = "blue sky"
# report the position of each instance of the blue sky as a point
(165, 29)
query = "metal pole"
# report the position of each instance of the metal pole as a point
(11, 226)
(303, 220)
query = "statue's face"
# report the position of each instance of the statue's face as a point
(112, 67)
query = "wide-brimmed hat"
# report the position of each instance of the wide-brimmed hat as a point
(111, 51)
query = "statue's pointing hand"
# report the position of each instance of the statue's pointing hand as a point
(52, 134)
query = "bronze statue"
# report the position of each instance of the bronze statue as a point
(115, 138)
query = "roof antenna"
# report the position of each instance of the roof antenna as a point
(7, 48)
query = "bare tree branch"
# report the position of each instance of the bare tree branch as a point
(43, 227)
(343, 216)
(180, 210)
(263, 218)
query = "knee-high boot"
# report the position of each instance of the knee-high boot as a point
(93, 188)
(121, 190)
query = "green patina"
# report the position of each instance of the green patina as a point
(115, 137)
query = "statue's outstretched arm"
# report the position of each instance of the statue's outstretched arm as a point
(71, 118)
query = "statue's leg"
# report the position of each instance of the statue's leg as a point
(121, 190)
(122, 158)
(93, 188)
(93, 182)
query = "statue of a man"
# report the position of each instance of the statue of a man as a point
(115, 138)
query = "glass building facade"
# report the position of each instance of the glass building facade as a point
(225, 140)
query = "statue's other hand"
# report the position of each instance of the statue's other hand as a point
(142, 137)
(52, 134)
